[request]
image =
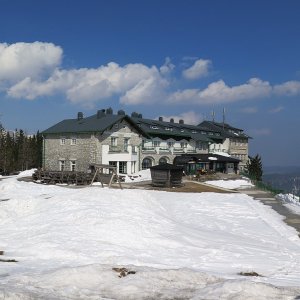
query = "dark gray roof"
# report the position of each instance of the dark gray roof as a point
(176, 131)
(207, 131)
(91, 124)
(225, 129)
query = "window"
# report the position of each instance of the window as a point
(163, 160)
(183, 145)
(194, 131)
(153, 127)
(170, 144)
(134, 149)
(182, 130)
(126, 142)
(147, 163)
(113, 141)
(133, 165)
(62, 141)
(62, 164)
(73, 165)
(73, 141)
(113, 164)
(123, 167)
(156, 143)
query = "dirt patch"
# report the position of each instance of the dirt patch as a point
(186, 187)
(123, 272)
(8, 260)
(250, 274)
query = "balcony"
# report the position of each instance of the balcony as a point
(191, 150)
(118, 149)
(164, 150)
(148, 149)
(178, 150)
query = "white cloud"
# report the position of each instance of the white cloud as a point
(136, 82)
(189, 117)
(33, 70)
(219, 92)
(167, 67)
(199, 69)
(276, 110)
(289, 88)
(34, 60)
(147, 91)
(249, 110)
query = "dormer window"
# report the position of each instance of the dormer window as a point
(194, 131)
(116, 126)
(169, 128)
(182, 130)
(153, 127)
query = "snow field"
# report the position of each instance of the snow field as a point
(230, 184)
(181, 245)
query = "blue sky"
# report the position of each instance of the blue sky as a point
(160, 58)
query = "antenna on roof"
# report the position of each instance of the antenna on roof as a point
(213, 114)
(223, 117)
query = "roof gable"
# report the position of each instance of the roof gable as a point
(91, 124)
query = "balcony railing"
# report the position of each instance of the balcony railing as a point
(148, 149)
(178, 150)
(118, 149)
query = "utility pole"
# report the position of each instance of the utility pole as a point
(223, 117)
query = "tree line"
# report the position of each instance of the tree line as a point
(19, 151)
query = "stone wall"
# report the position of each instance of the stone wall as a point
(82, 152)
(88, 147)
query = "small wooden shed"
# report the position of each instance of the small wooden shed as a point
(166, 175)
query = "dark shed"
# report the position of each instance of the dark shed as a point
(166, 175)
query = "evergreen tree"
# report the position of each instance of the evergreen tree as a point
(254, 168)
(19, 151)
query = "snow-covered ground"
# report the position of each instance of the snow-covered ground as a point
(231, 184)
(181, 245)
(143, 175)
(290, 201)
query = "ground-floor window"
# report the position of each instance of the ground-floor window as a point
(133, 165)
(163, 160)
(73, 165)
(147, 163)
(62, 164)
(123, 167)
(113, 164)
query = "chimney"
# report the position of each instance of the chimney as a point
(181, 121)
(79, 116)
(109, 111)
(134, 115)
(160, 119)
(171, 120)
(140, 116)
(100, 113)
(121, 112)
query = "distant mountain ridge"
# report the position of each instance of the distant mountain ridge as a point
(285, 178)
(281, 169)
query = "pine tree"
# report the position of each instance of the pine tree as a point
(254, 168)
